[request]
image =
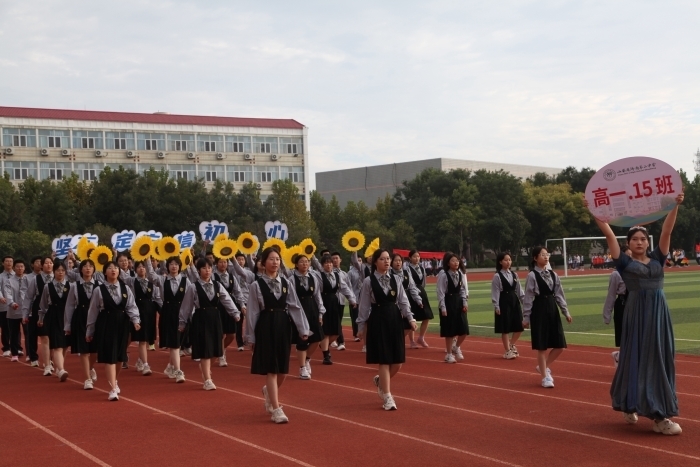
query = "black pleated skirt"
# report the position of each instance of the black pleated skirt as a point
(42, 331)
(228, 324)
(206, 334)
(112, 336)
(331, 318)
(55, 331)
(385, 340)
(78, 327)
(310, 308)
(168, 328)
(545, 323)
(511, 317)
(421, 314)
(147, 333)
(273, 340)
(455, 323)
(618, 314)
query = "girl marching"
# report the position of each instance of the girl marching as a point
(425, 313)
(412, 293)
(51, 317)
(452, 295)
(332, 284)
(543, 293)
(201, 305)
(31, 313)
(112, 306)
(271, 304)
(229, 325)
(507, 297)
(383, 307)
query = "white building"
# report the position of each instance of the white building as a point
(52, 144)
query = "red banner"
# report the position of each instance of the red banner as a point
(423, 254)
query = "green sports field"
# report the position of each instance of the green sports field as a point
(585, 296)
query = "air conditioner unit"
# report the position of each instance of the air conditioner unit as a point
(296, 155)
(258, 186)
(44, 152)
(190, 155)
(274, 157)
(9, 151)
(220, 156)
(160, 155)
(130, 154)
(99, 153)
(247, 157)
(65, 152)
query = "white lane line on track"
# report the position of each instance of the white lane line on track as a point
(56, 435)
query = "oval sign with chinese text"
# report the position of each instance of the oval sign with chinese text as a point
(633, 191)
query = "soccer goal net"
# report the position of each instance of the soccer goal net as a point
(579, 253)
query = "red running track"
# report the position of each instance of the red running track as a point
(482, 411)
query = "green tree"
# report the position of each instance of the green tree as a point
(291, 210)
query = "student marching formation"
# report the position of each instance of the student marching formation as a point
(286, 296)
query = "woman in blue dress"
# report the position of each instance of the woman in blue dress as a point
(645, 380)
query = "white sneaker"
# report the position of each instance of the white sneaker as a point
(630, 418)
(113, 396)
(146, 369)
(48, 370)
(93, 375)
(179, 376)
(169, 371)
(182, 353)
(449, 358)
(187, 351)
(414, 344)
(380, 393)
(308, 365)
(341, 347)
(152, 347)
(34, 363)
(549, 372)
(88, 384)
(509, 355)
(268, 406)
(334, 344)
(278, 416)
(241, 349)
(116, 387)
(304, 373)
(20, 353)
(458, 353)
(514, 349)
(364, 349)
(139, 365)
(7, 353)
(222, 360)
(27, 359)
(616, 357)
(62, 375)
(209, 385)
(389, 403)
(547, 382)
(667, 427)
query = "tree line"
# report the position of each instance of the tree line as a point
(465, 212)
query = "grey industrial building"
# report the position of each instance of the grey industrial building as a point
(371, 183)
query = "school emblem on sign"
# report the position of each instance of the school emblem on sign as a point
(610, 175)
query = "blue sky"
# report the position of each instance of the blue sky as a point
(552, 83)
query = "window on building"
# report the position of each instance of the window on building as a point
(210, 143)
(150, 141)
(125, 166)
(87, 139)
(19, 170)
(54, 138)
(54, 170)
(266, 174)
(239, 173)
(264, 145)
(180, 142)
(19, 137)
(291, 146)
(295, 174)
(238, 144)
(146, 167)
(120, 140)
(88, 171)
(182, 171)
(210, 173)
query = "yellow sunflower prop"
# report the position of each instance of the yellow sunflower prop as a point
(274, 241)
(247, 243)
(156, 252)
(307, 247)
(85, 247)
(225, 249)
(353, 240)
(101, 256)
(186, 257)
(374, 246)
(221, 236)
(290, 255)
(142, 248)
(168, 246)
